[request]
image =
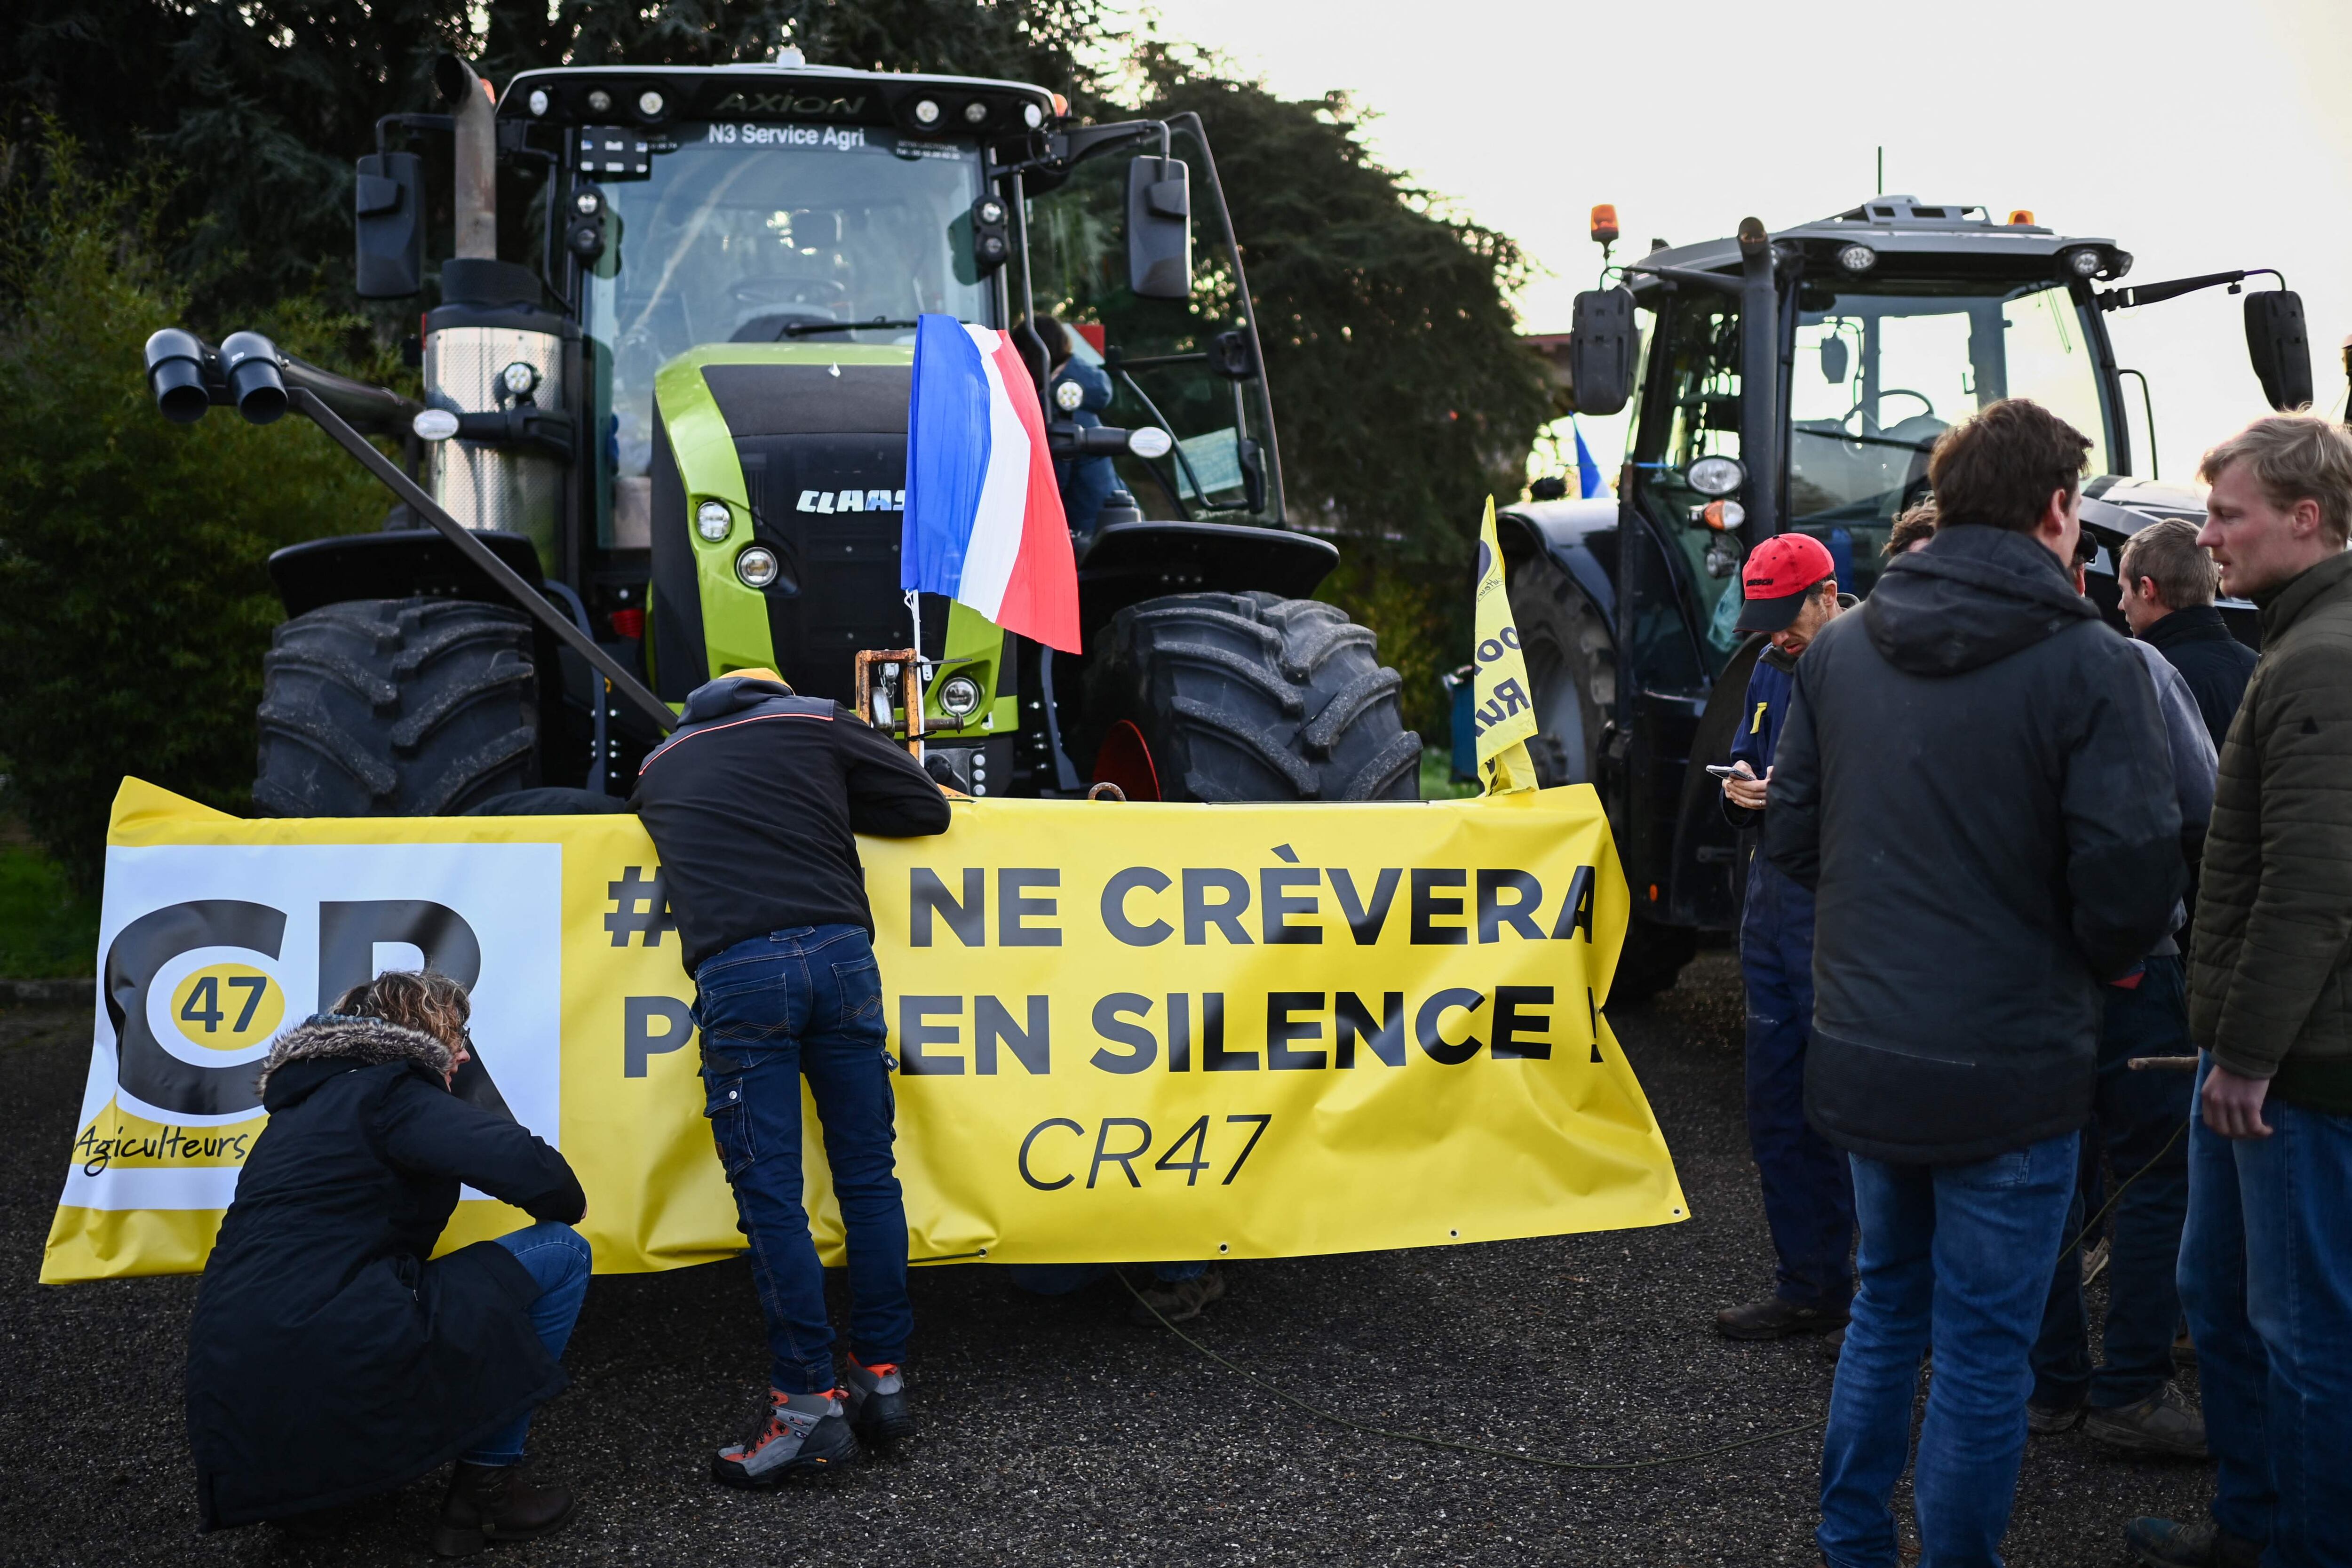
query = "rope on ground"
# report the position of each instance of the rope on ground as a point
(1551, 1461)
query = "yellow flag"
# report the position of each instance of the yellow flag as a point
(1501, 710)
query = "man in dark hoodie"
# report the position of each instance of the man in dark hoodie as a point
(1975, 781)
(752, 803)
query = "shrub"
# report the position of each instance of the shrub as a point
(134, 602)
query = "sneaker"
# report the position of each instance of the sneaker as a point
(802, 1435)
(1177, 1301)
(2049, 1420)
(2159, 1424)
(2094, 1262)
(1774, 1318)
(878, 1404)
(2161, 1543)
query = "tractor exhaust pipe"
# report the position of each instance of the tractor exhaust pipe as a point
(1759, 379)
(476, 191)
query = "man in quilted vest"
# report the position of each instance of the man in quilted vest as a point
(2266, 1260)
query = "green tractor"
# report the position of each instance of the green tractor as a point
(672, 443)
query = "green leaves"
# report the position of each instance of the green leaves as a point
(136, 601)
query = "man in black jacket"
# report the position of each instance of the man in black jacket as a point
(752, 805)
(2167, 581)
(1975, 781)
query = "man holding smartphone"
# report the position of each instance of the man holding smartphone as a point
(1789, 592)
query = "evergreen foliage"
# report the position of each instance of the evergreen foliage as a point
(135, 604)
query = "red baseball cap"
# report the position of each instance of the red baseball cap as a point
(1777, 576)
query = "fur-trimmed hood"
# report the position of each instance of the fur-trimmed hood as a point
(361, 1041)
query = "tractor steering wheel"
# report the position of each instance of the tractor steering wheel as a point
(1870, 423)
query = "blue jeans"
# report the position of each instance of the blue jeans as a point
(1958, 1257)
(2266, 1277)
(1807, 1190)
(2134, 1117)
(807, 1000)
(559, 1259)
(1061, 1279)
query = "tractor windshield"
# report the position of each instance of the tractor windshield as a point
(758, 233)
(1878, 374)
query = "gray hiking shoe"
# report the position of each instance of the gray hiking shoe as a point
(802, 1435)
(2159, 1424)
(878, 1404)
(1177, 1301)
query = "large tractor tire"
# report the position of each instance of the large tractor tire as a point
(1571, 655)
(397, 707)
(1246, 697)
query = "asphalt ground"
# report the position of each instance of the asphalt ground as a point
(1055, 1432)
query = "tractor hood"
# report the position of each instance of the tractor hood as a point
(805, 447)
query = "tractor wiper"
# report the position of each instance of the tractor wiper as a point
(809, 328)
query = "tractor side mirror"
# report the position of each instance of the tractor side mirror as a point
(1601, 343)
(2279, 347)
(1159, 228)
(389, 203)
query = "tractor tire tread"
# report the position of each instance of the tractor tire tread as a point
(396, 707)
(1251, 696)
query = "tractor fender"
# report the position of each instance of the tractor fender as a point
(1579, 536)
(397, 564)
(1128, 563)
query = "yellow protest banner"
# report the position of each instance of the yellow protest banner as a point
(1124, 1032)
(1501, 709)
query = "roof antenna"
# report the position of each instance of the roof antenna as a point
(1881, 186)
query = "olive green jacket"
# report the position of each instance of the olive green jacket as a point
(2270, 989)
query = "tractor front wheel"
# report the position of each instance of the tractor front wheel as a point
(397, 707)
(1246, 697)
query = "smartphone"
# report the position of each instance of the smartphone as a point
(1726, 772)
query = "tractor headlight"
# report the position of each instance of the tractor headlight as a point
(599, 101)
(1068, 396)
(756, 566)
(649, 104)
(539, 100)
(2085, 262)
(1717, 475)
(715, 523)
(960, 696)
(1856, 257)
(1032, 116)
(927, 112)
(975, 113)
(519, 379)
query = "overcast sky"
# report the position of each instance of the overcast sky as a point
(2199, 138)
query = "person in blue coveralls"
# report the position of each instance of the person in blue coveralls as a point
(1788, 586)
(1081, 389)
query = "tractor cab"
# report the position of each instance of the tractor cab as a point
(1796, 382)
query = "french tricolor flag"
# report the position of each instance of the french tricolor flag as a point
(984, 520)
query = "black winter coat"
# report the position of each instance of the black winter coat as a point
(753, 804)
(2214, 665)
(328, 1360)
(1976, 782)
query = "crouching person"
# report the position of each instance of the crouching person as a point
(329, 1360)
